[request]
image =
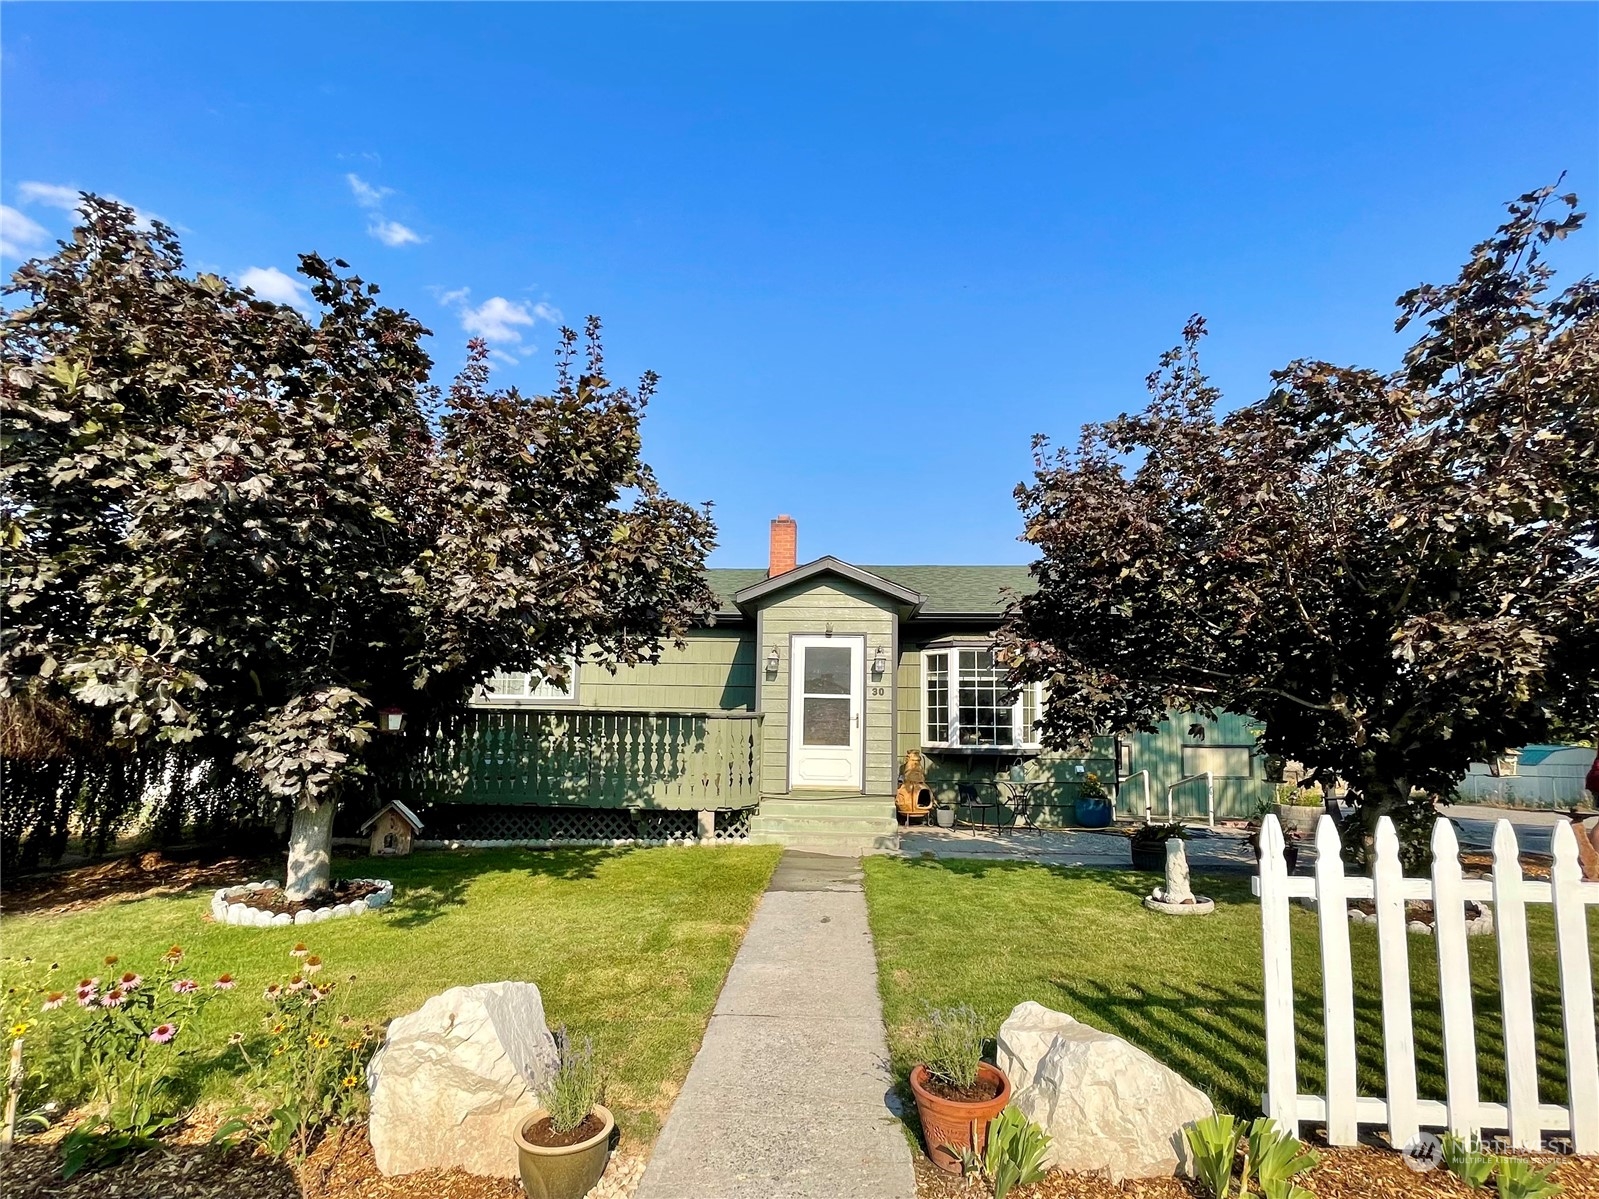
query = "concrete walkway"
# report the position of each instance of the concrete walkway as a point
(789, 1096)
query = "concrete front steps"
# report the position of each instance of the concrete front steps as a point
(844, 826)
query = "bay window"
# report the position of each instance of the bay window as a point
(963, 693)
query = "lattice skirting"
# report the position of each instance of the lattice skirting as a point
(478, 825)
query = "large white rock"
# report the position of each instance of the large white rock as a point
(1107, 1105)
(453, 1079)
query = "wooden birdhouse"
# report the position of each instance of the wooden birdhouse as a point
(392, 828)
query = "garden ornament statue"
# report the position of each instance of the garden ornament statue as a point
(1177, 898)
(914, 798)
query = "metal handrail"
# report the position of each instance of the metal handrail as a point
(1210, 796)
(1148, 810)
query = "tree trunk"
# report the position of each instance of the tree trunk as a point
(310, 849)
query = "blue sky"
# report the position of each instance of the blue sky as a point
(870, 250)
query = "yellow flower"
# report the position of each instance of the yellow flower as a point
(319, 1042)
(351, 1081)
(20, 1027)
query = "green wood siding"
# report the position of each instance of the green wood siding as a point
(714, 671)
(810, 608)
(1160, 752)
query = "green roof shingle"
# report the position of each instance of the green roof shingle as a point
(949, 589)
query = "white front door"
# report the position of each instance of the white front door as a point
(825, 712)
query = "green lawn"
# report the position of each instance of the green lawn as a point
(630, 946)
(1187, 991)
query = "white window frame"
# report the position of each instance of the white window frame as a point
(539, 695)
(1021, 738)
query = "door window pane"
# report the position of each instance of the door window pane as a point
(827, 670)
(826, 721)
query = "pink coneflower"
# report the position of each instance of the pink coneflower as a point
(162, 1033)
(130, 981)
(296, 984)
(53, 1000)
(174, 954)
(113, 998)
(312, 964)
(299, 951)
(272, 991)
(88, 992)
(224, 983)
(110, 959)
(185, 986)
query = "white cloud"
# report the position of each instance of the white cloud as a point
(496, 319)
(58, 195)
(367, 195)
(54, 194)
(18, 232)
(392, 233)
(269, 283)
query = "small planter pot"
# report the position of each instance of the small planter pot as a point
(944, 817)
(952, 1122)
(566, 1172)
(1149, 857)
(1299, 818)
(1093, 811)
(1290, 854)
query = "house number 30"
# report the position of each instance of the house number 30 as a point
(879, 690)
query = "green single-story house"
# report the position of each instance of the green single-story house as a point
(787, 719)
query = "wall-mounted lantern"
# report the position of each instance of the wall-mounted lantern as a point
(391, 720)
(772, 661)
(880, 661)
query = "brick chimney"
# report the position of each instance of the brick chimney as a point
(785, 546)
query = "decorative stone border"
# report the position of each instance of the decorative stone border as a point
(229, 906)
(1481, 926)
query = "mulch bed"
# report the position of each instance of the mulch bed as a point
(1365, 1172)
(275, 901)
(135, 876)
(1480, 864)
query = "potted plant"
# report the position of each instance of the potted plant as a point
(944, 814)
(1149, 844)
(1093, 808)
(957, 1093)
(561, 1149)
(1290, 850)
(1298, 810)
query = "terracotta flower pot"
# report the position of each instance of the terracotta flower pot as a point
(952, 1122)
(567, 1171)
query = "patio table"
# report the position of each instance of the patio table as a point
(1019, 793)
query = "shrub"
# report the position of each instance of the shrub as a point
(127, 1034)
(1015, 1153)
(1149, 835)
(577, 1084)
(1467, 1161)
(309, 1067)
(952, 1046)
(1214, 1141)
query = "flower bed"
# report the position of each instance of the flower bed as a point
(264, 905)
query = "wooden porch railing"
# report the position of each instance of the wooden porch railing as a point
(590, 758)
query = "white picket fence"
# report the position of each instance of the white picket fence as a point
(1462, 1111)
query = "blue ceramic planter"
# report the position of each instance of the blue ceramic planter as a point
(1093, 813)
